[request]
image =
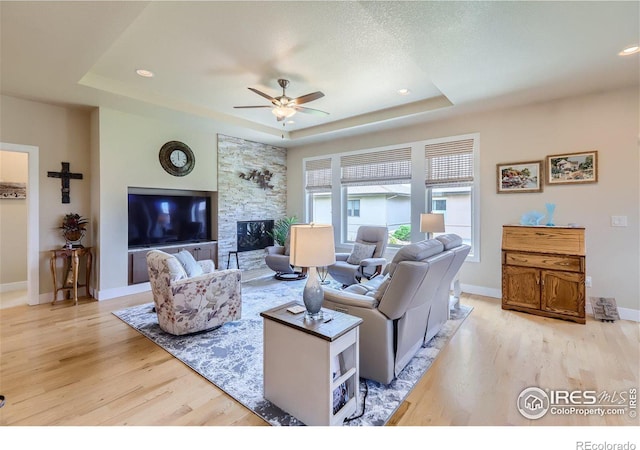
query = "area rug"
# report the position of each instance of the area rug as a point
(231, 356)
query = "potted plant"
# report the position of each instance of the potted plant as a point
(73, 228)
(281, 229)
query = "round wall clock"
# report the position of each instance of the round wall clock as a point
(177, 158)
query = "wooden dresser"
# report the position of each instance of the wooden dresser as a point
(543, 271)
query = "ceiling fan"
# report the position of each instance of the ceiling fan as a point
(285, 107)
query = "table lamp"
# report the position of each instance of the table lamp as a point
(431, 223)
(312, 246)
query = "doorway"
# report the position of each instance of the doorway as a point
(33, 238)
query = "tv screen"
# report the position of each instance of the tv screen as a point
(156, 219)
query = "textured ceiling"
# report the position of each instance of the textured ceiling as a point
(451, 55)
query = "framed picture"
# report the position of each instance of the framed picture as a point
(572, 168)
(520, 177)
(13, 190)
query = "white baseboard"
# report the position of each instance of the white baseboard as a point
(624, 313)
(15, 286)
(481, 290)
(107, 294)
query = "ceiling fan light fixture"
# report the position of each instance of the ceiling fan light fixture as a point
(283, 112)
(284, 107)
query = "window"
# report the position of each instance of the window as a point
(386, 205)
(377, 191)
(439, 205)
(318, 188)
(451, 187)
(353, 208)
(384, 186)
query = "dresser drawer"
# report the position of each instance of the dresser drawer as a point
(543, 261)
(557, 240)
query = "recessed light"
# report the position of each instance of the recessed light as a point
(630, 50)
(291, 121)
(404, 91)
(144, 73)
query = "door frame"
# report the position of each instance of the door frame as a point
(33, 219)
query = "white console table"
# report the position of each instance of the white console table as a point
(299, 361)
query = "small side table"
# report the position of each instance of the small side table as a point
(311, 368)
(70, 283)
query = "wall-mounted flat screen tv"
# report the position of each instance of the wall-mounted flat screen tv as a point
(159, 219)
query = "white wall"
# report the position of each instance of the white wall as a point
(607, 122)
(127, 148)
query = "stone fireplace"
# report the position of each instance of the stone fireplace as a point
(242, 201)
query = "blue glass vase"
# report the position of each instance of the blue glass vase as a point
(551, 207)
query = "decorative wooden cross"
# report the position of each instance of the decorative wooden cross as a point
(65, 175)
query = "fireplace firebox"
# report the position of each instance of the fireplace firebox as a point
(254, 234)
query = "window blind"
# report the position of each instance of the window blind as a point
(449, 164)
(318, 175)
(376, 168)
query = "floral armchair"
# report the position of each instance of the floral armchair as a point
(190, 304)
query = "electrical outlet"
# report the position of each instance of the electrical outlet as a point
(618, 221)
(587, 282)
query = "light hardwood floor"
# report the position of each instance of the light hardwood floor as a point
(81, 365)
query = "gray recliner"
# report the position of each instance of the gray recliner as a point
(278, 260)
(400, 309)
(348, 271)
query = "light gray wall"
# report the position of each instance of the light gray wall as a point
(62, 134)
(607, 122)
(128, 157)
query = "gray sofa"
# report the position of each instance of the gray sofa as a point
(403, 309)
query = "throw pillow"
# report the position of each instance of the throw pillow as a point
(360, 252)
(176, 270)
(189, 263)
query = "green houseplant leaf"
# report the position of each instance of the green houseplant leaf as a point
(281, 229)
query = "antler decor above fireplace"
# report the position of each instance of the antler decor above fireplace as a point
(261, 177)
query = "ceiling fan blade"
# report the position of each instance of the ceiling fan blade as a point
(317, 112)
(308, 98)
(267, 96)
(263, 106)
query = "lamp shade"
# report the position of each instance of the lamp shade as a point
(432, 223)
(312, 245)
